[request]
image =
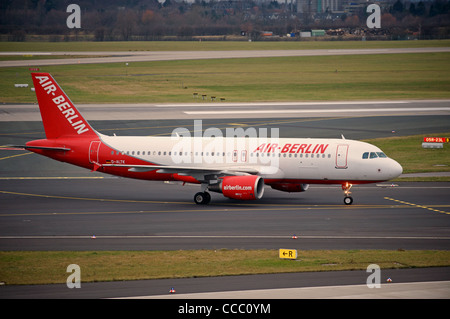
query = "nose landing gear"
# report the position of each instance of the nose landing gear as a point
(348, 200)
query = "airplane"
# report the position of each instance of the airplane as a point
(238, 171)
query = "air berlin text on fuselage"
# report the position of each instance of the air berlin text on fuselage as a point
(292, 148)
(65, 107)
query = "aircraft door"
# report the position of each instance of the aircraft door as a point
(93, 151)
(341, 156)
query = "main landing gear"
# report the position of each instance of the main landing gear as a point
(348, 200)
(202, 198)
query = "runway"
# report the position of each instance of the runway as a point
(146, 56)
(213, 110)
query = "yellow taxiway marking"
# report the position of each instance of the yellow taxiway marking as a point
(421, 206)
(3, 158)
(211, 208)
(88, 199)
(187, 211)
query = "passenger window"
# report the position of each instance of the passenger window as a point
(373, 155)
(365, 155)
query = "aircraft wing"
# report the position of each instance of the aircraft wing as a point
(183, 170)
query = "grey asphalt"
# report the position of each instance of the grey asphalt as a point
(238, 111)
(122, 214)
(141, 56)
(250, 287)
(47, 210)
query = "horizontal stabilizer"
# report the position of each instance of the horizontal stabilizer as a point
(45, 148)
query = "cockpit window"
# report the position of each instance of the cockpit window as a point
(367, 155)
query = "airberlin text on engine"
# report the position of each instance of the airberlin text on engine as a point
(64, 106)
(292, 148)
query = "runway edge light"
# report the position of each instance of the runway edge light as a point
(287, 253)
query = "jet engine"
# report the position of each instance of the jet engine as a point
(240, 187)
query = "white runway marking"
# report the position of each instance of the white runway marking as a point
(237, 104)
(365, 110)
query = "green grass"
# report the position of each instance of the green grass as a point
(43, 267)
(409, 153)
(318, 78)
(211, 45)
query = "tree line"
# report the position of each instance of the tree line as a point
(107, 20)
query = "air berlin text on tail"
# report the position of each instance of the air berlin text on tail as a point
(64, 106)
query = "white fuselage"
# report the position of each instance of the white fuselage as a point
(309, 160)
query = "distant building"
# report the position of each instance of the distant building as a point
(320, 6)
(313, 7)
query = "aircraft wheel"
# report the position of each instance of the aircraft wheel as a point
(348, 200)
(202, 198)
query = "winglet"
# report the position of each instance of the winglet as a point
(59, 115)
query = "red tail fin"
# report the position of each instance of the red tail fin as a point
(59, 116)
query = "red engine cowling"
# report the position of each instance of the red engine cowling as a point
(241, 187)
(290, 187)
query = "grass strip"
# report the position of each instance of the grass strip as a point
(312, 78)
(46, 267)
(40, 46)
(408, 151)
